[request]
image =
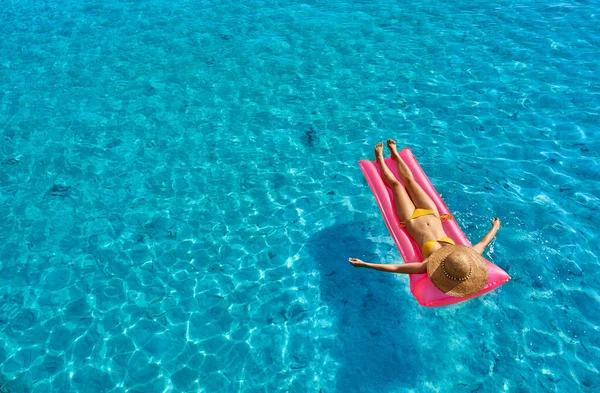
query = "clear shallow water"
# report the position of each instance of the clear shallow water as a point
(179, 194)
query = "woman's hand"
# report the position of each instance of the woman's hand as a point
(496, 223)
(356, 262)
(487, 239)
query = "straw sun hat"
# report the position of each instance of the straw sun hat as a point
(457, 270)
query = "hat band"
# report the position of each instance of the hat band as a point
(451, 277)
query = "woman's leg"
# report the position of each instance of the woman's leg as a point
(419, 197)
(404, 206)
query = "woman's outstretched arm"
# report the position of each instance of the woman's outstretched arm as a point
(487, 239)
(406, 268)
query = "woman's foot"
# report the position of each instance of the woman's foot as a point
(387, 175)
(379, 151)
(392, 146)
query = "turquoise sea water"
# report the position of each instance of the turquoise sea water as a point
(179, 194)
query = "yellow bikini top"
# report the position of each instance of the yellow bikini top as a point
(425, 212)
(429, 245)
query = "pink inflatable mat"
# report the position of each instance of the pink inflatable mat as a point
(420, 285)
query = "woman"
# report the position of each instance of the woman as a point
(455, 270)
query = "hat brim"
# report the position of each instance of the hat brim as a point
(474, 284)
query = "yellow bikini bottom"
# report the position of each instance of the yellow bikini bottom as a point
(429, 245)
